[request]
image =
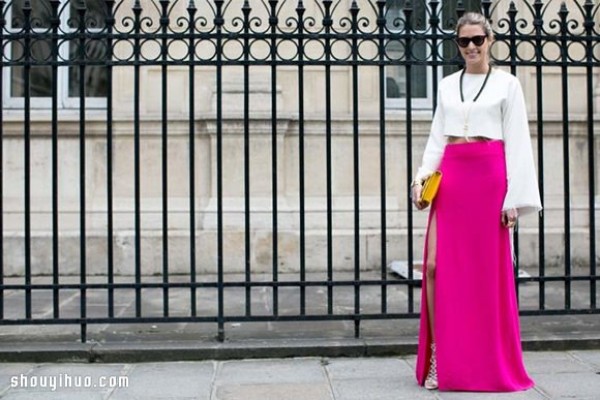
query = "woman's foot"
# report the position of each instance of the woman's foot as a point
(431, 382)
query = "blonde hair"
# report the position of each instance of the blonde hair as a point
(474, 18)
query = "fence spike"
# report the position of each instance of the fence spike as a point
(563, 9)
(2, 23)
(589, 22)
(537, 20)
(433, 4)
(538, 3)
(54, 4)
(460, 9)
(55, 20)
(381, 21)
(246, 9)
(486, 5)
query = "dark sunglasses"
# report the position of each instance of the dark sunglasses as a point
(464, 41)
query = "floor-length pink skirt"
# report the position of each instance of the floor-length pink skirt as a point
(478, 344)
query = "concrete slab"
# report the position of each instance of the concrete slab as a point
(590, 357)
(361, 368)
(62, 395)
(296, 370)
(275, 391)
(12, 371)
(292, 379)
(544, 362)
(168, 380)
(378, 389)
(578, 385)
(84, 380)
(527, 395)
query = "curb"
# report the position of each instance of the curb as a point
(139, 352)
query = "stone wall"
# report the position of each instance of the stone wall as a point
(260, 193)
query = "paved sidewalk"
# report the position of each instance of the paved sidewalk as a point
(558, 375)
(182, 360)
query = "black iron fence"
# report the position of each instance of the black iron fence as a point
(54, 51)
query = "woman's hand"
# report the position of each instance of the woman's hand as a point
(509, 217)
(416, 188)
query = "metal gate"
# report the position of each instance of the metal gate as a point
(53, 51)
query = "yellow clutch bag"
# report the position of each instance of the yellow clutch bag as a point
(430, 187)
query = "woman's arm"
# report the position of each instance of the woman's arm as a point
(432, 154)
(523, 192)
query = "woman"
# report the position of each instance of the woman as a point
(469, 334)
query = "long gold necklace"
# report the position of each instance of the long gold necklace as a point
(467, 111)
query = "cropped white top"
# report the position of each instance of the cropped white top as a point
(499, 113)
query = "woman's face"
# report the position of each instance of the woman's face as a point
(476, 56)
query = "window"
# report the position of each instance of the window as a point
(40, 50)
(396, 85)
(421, 77)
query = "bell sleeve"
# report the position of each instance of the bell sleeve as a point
(436, 142)
(523, 192)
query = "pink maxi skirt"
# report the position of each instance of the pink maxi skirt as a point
(478, 344)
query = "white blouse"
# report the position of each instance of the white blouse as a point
(498, 113)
